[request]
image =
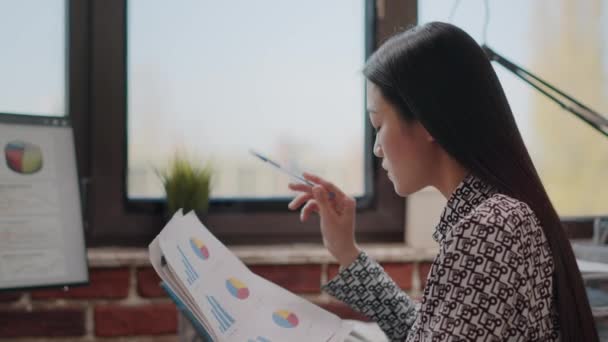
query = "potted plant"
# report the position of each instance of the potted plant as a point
(187, 185)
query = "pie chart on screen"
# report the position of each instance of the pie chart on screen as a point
(23, 157)
(285, 319)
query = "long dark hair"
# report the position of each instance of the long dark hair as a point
(438, 75)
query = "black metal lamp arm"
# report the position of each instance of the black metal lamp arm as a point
(591, 117)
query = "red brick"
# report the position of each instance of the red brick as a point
(295, 278)
(44, 323)
(332, 271)
(148, 283)
(343, 311)
(108, 283)
(400, 272)
(153, 319)
(9, 296)
(423, 271)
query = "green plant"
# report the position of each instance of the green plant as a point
(187, 185)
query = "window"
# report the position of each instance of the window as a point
(138, 91)
(565, 42)
(33, 39)
(216, 79)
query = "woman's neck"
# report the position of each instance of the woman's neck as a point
(450, 175)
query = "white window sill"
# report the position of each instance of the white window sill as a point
(273, 254)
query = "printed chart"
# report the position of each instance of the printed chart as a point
(259, 339)
(285, 319)
(199, 248)
(237, 288)
(224, 320)
(191, 274)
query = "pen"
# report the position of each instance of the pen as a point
(275, 164)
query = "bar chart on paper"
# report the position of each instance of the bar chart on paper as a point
(191, 274)
(224, 320)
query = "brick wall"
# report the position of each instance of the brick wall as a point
(126, 303)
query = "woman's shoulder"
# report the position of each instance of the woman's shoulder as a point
(504, 220)
(505, 211)
(503, 230)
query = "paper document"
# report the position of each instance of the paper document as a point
(225, 299)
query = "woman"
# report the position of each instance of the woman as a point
(505, 269)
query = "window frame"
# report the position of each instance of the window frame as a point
(114, 220)
(78, 93)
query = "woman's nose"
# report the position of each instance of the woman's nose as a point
(378, 150)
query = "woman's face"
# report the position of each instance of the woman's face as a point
(407, 150)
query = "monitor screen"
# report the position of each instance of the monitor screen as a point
(41, 226)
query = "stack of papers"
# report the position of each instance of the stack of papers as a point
(225, 300)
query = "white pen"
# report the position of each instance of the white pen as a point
(275, 164)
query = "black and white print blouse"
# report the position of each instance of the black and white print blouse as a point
(491, 281)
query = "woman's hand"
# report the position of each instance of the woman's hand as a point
(337, 212)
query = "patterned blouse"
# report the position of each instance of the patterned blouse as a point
(491, 281)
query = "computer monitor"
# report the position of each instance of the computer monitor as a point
(41, 226)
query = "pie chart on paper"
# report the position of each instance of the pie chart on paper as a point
(237, 288)
(199, 248)
(23, 157)
(285, 319)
